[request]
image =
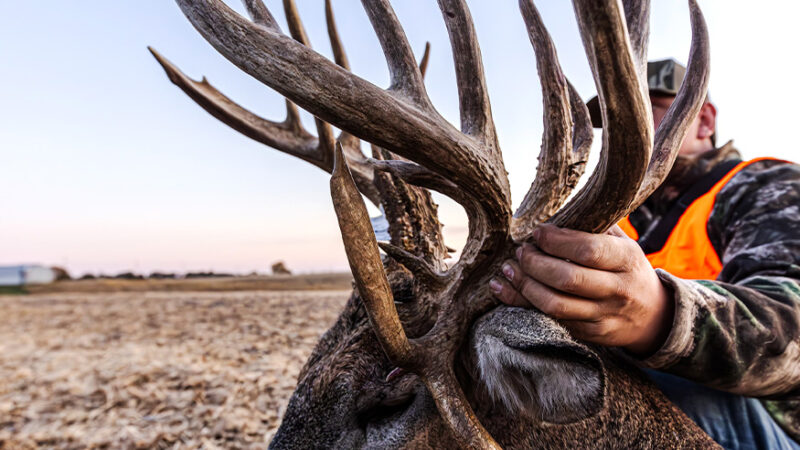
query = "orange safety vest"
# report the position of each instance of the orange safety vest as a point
(687, 252)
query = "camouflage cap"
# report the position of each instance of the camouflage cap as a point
(664, 77)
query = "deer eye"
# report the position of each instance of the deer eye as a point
(389, 406)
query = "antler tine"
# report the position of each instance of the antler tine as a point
(373, 287)
(350, 143)
(423, 63)
(550, 188)
(456, 410)
(339, 54)
(260, 14)
(637, 18)
(328, 140)
(627, 129)
(418, 266)
(582, 136)
(365, 263)
(298, 32)
(283, 136)
(414, 226)
(293, 119)
(288, 136)
(684, 109)
(296, 28)
(405, 74)
(413, 173)
(476, 111)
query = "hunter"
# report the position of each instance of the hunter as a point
(700, 285)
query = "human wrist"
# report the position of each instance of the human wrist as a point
(658, 324)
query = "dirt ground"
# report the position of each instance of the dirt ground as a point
(154, 369)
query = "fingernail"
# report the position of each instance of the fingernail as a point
(519, 253)
(508, 271)
(495, 286)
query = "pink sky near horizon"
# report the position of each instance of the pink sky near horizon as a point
(101, 251)
(108, 167)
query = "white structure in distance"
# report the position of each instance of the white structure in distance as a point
(26, 274)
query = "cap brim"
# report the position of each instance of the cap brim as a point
(594, 106)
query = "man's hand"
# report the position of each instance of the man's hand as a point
(599, 286)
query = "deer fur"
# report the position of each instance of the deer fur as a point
(342, 399)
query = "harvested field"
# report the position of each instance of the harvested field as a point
(154, 369)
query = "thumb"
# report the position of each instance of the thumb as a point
(616, 231)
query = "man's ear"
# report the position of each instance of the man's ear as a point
(531, 365)
(707, 121)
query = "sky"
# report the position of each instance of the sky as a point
(105, 166)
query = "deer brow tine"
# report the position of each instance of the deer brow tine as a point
(365, 263)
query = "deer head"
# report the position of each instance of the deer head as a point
(419, 325)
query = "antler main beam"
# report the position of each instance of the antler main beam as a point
(351, 103)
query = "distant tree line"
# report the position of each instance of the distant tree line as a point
(278, 268)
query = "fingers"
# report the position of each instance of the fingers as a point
(599, 251)
(520, 290)
(566, 276)
(508, 294)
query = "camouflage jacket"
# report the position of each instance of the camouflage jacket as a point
(741, 332)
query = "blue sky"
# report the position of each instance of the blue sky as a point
(106, 166)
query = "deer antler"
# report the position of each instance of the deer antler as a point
(288, 136)
(410, 211)
(567, 134)
(683, 110)
(421, 148)
(373, 287)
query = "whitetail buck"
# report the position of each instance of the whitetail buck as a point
(422, 355)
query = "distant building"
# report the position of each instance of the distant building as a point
(26, 274)
(381, 227)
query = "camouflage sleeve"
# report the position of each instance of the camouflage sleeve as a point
(741, 332)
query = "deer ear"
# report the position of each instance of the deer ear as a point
(529, 363)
